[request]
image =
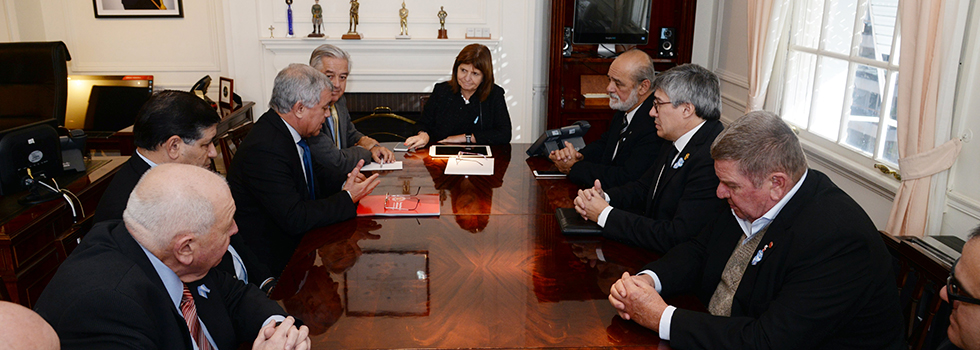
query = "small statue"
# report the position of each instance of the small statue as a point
(317, 20)
(403, 13)
(272, 34)
(352, 29)
(289, 17)
(442, 23)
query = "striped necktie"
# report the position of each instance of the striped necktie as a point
(334, 127)
(189, 311)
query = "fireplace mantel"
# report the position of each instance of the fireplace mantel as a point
(378, 65)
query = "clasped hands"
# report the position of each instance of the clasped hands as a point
(635, 298)
(590, 202)
(566, 157)
(285, 336)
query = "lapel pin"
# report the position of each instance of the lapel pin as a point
(680, 161)
(758, 255)
(203, 291)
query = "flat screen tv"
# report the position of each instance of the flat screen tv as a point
(105, 102)
(611, 22)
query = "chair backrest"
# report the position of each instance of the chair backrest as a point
(384, 126)
(34, 80)
(229, 142)
(919, 277)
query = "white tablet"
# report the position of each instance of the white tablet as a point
(444, 151)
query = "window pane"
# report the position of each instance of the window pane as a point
(798, 88)
(879, 28)
(828, 97)
(809, 16)
(889, 151)
(865, 110)
(840, 26)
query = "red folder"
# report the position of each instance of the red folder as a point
(399, 205)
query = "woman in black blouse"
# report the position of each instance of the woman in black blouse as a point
(470, 108)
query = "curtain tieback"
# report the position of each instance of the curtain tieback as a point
(930, 162)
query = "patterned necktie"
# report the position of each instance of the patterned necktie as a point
(622, 137)
(193, 324)
(308, 167)
(334, 128)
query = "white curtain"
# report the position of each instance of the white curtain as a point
(766, 20)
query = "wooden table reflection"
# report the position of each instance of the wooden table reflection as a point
(492, 271)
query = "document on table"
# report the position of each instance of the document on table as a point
(375, 166)
(469, 166)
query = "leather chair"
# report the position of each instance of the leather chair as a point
(229, 142)
(33, 82)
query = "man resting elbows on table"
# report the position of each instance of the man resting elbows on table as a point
(797, 265)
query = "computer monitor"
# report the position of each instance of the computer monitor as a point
(105, 102)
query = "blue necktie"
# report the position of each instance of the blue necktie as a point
(308, 166)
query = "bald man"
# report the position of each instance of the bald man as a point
(25, 329)
(631, 144)
(150, 283)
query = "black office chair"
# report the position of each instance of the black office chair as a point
(33, 82)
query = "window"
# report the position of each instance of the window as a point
(842, 73)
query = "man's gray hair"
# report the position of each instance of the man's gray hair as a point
(328, 51)
(644, 69)
(691, 83)
(298, 83)
(162, 213)
(761, 144)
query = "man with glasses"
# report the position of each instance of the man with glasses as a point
(628, 148)
(962, 291)
(676, 195)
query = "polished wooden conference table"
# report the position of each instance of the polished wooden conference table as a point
(492, 271)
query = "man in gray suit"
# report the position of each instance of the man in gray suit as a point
(342, 146)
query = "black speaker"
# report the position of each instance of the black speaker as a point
(566, 49)
(667, 47)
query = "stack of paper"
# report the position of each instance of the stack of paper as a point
(469, 166)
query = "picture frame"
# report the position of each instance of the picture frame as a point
(226, 89)
(138, 8)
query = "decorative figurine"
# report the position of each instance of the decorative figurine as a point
(442, 23)
(352, 29)
(289, 17)
(317, 21)
(272, 35)
(403, 13)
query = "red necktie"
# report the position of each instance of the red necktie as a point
(193, 324)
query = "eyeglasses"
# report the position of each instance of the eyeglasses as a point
(405, 202)
(656, 105)
(460, 157)
(954, 291)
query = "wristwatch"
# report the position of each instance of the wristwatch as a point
(469, 138)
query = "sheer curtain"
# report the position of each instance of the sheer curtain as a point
(922, 31)
(766, 20)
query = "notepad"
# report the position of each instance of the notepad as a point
(375, 166)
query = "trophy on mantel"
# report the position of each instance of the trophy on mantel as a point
(352, 29)
(403, 14)
(289, 17)
(317, 21)
(442, 23)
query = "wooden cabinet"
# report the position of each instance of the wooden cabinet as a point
(565, 101)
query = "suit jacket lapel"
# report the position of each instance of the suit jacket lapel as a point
(279, 125)
(699, 140)
(131, 249)
(617, 124)
(779, 231)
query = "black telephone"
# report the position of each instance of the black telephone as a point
(554, 139)
(200, 89)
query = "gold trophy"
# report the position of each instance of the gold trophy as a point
(442, 23)
(403, 14)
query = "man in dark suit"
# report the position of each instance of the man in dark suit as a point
(280, 191)
(796, 265)
(172, 127)
(149, 281)
(353, 145)
(629, 147)
(962, 291)
(677, 194)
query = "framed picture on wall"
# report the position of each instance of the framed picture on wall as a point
(138, 8)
